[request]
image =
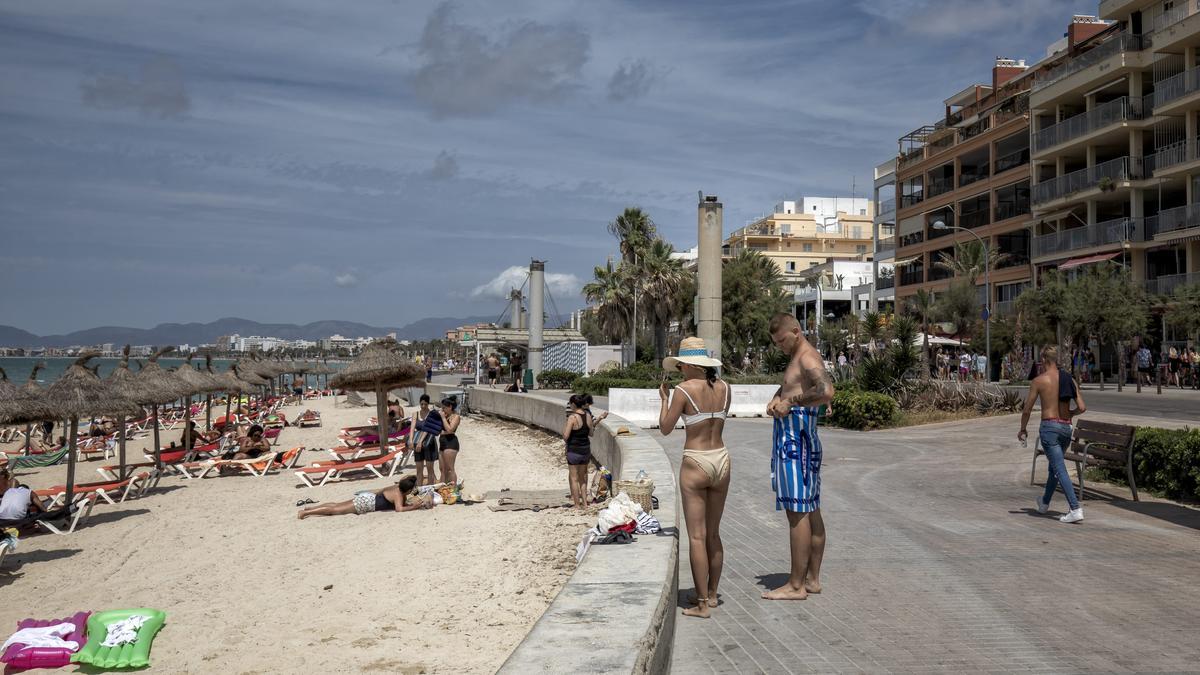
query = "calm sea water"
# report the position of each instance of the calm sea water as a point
(18, 368)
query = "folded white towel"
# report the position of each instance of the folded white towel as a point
(124, 632)
(44, 636)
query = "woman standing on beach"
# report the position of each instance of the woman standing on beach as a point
(578, 436)
(425, 449)
(704, 471)
(449, 440)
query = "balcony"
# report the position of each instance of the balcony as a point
(1107, 233)
(1102, 116)
(1006, 210)
(912, 275)
(1166, 285)
(974, 219)
(973, 175)
(885, 283)
(1116, 170)
(1176, 87)
(1173, 16)
(1012, 160)
(939, 187)
(1118, 44)
(1004, 308)
(911, 239)
(886, 207)
(1173, 220)
(911, 200)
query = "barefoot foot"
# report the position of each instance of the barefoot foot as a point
(812, 587)
(786, 592)
(712, 600)
(702, 611)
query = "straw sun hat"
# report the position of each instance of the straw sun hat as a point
(693, 352)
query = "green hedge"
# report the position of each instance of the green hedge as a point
(1165, 461)
(557, 378)
(863, 410)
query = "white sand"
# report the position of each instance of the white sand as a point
(249, 588)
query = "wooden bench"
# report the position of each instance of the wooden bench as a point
(1096, 444)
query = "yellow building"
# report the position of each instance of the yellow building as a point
(810, 232)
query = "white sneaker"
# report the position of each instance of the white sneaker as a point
(1042, 506)
(1074, 516)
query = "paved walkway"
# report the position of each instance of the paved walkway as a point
(937, 562)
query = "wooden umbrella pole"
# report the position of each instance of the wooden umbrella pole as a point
(228, 400)
(28, 439)
(208, 412)
(381, 413)
(71, 463)
(187, 421)
(121, 441)
(157, 445)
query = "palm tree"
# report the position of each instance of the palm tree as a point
(610, 293)
(967, 260)
(660, 277)
(635, 231)
(873, 328)
(853, 328)
(922, 305)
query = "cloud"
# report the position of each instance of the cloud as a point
(954, 18)
(159, 92)
(346, 280)
(560, 285)
(631, 80)
(445, 166)
(465, 73)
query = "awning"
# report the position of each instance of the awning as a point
(907, 261)
(1178, 236)
(1076, 262)
(1057, 215)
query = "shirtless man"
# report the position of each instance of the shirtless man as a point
(1055, 389)
(796, 458)
(493, 370)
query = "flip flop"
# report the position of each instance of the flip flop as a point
(306, 500)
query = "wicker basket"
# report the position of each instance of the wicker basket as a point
(639, 491)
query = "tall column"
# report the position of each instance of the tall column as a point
(537, 287)
(514, 308)
(873, 305)
(708, 273)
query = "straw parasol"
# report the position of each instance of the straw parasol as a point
(21, 405)
(379, 368)
(158, 387)
(322, 369)
(125, 383)
(234, 385)
(198, 383)
(79, 392)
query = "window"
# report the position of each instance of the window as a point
(861, 248)
(791, 267)
(813, 264)
(862, 212)
(808, 248)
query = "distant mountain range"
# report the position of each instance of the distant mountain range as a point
(202, 333)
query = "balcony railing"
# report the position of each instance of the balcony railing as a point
(1166, 285)
(1120, 43)
(1116, 111)
(1006, 210)
(911, 200)
(1176, 87)
(1013, 260)
(939, 187)
(1004, 308)
(910, 239)
(1170, 155)
(885, 282)
(887, 206)
(1101, 234)
(1116, 170)
(1173, 16)
(1170, 220)
(912, 276)
(884, 245)
(1012, 160)
(973, 175)
(974, 219)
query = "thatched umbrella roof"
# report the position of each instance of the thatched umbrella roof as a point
(232, 382)
(379, 364)
(160, 386)
(257, 367)
(321, 369)
(22, 404)
(249, 376)
(127, 383)
(198, 382)
(79, 393)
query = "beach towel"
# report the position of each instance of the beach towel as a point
(43, 636)
(37, 461)
(124, 632)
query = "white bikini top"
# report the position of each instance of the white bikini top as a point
(689, 420)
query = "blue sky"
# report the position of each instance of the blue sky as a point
(384, 161)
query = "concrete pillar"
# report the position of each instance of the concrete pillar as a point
(1192, 257)
(537, 288)
(710, 226)
(874, 298)
(1091, 212)
(1091, 155)
(514, 308)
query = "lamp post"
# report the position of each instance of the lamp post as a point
(987, 285)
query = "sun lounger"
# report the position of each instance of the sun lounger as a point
(34, 461)
(136, 485)
(323, 472)
(308, 418)
(258, 466)
(75, 516)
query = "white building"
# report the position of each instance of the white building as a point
(835, 289)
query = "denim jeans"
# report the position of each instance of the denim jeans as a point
(1056, 436)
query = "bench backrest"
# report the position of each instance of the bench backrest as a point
(1117, 440)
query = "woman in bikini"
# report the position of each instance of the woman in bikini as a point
(391, 498)
(577, 433)
(424, 445)
(449, 440)
(704, 471)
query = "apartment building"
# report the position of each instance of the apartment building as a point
(1116, 155)
(798, 235)
(969, 169)
(882, 289)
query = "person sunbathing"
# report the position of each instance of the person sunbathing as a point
(391, 498)
(197, 437)
(251, 445)
(18, 501)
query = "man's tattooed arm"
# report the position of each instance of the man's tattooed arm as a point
(818, 388)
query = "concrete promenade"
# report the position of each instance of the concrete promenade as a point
(938, 562)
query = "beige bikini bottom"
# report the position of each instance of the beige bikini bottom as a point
(714, 463)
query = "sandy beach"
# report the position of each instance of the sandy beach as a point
(248, 588)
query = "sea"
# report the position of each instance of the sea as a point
(19, 367)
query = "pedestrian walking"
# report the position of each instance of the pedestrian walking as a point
(1055, 390)
(1143, 356)
(796, 456)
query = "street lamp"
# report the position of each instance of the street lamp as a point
(987, 285)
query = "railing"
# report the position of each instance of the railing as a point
(1004, 308)
(911, 200)
(1006, 210)
(1173, 16)
(1166, 285)
(1013, 260)
(884, 245)
(1118, 44)
(910, 157)
(1170, 220)
(1101, 234)
(1119, 169)
(1170, 155)
(912, 276)
(1176, 86)
(1116, 111)
(939, 187)
(911, 239)
(887, 206)
(885, 282)
(966, 177)
(1012, 160)
(974, 219)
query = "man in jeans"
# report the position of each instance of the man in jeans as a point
(1055, 389)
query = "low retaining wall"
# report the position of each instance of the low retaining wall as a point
(641, 406)
(616, 614)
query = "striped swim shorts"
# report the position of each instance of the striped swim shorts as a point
(796, 462)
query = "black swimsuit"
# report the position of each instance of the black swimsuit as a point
(383, 503)
(449, 442)
(579, 444)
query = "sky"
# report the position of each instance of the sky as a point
(385, 161)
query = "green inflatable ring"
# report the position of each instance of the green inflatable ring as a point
(133, 655)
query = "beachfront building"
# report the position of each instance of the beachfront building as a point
(799, 235)
(834, 289)
(881, 291)
(969, 169)
(1116, 145)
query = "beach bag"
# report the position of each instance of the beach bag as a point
(640, 490)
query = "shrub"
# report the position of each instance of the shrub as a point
(863, 410)
(1166, 461)
(755, 379)
(598, 385)
(556, 378)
